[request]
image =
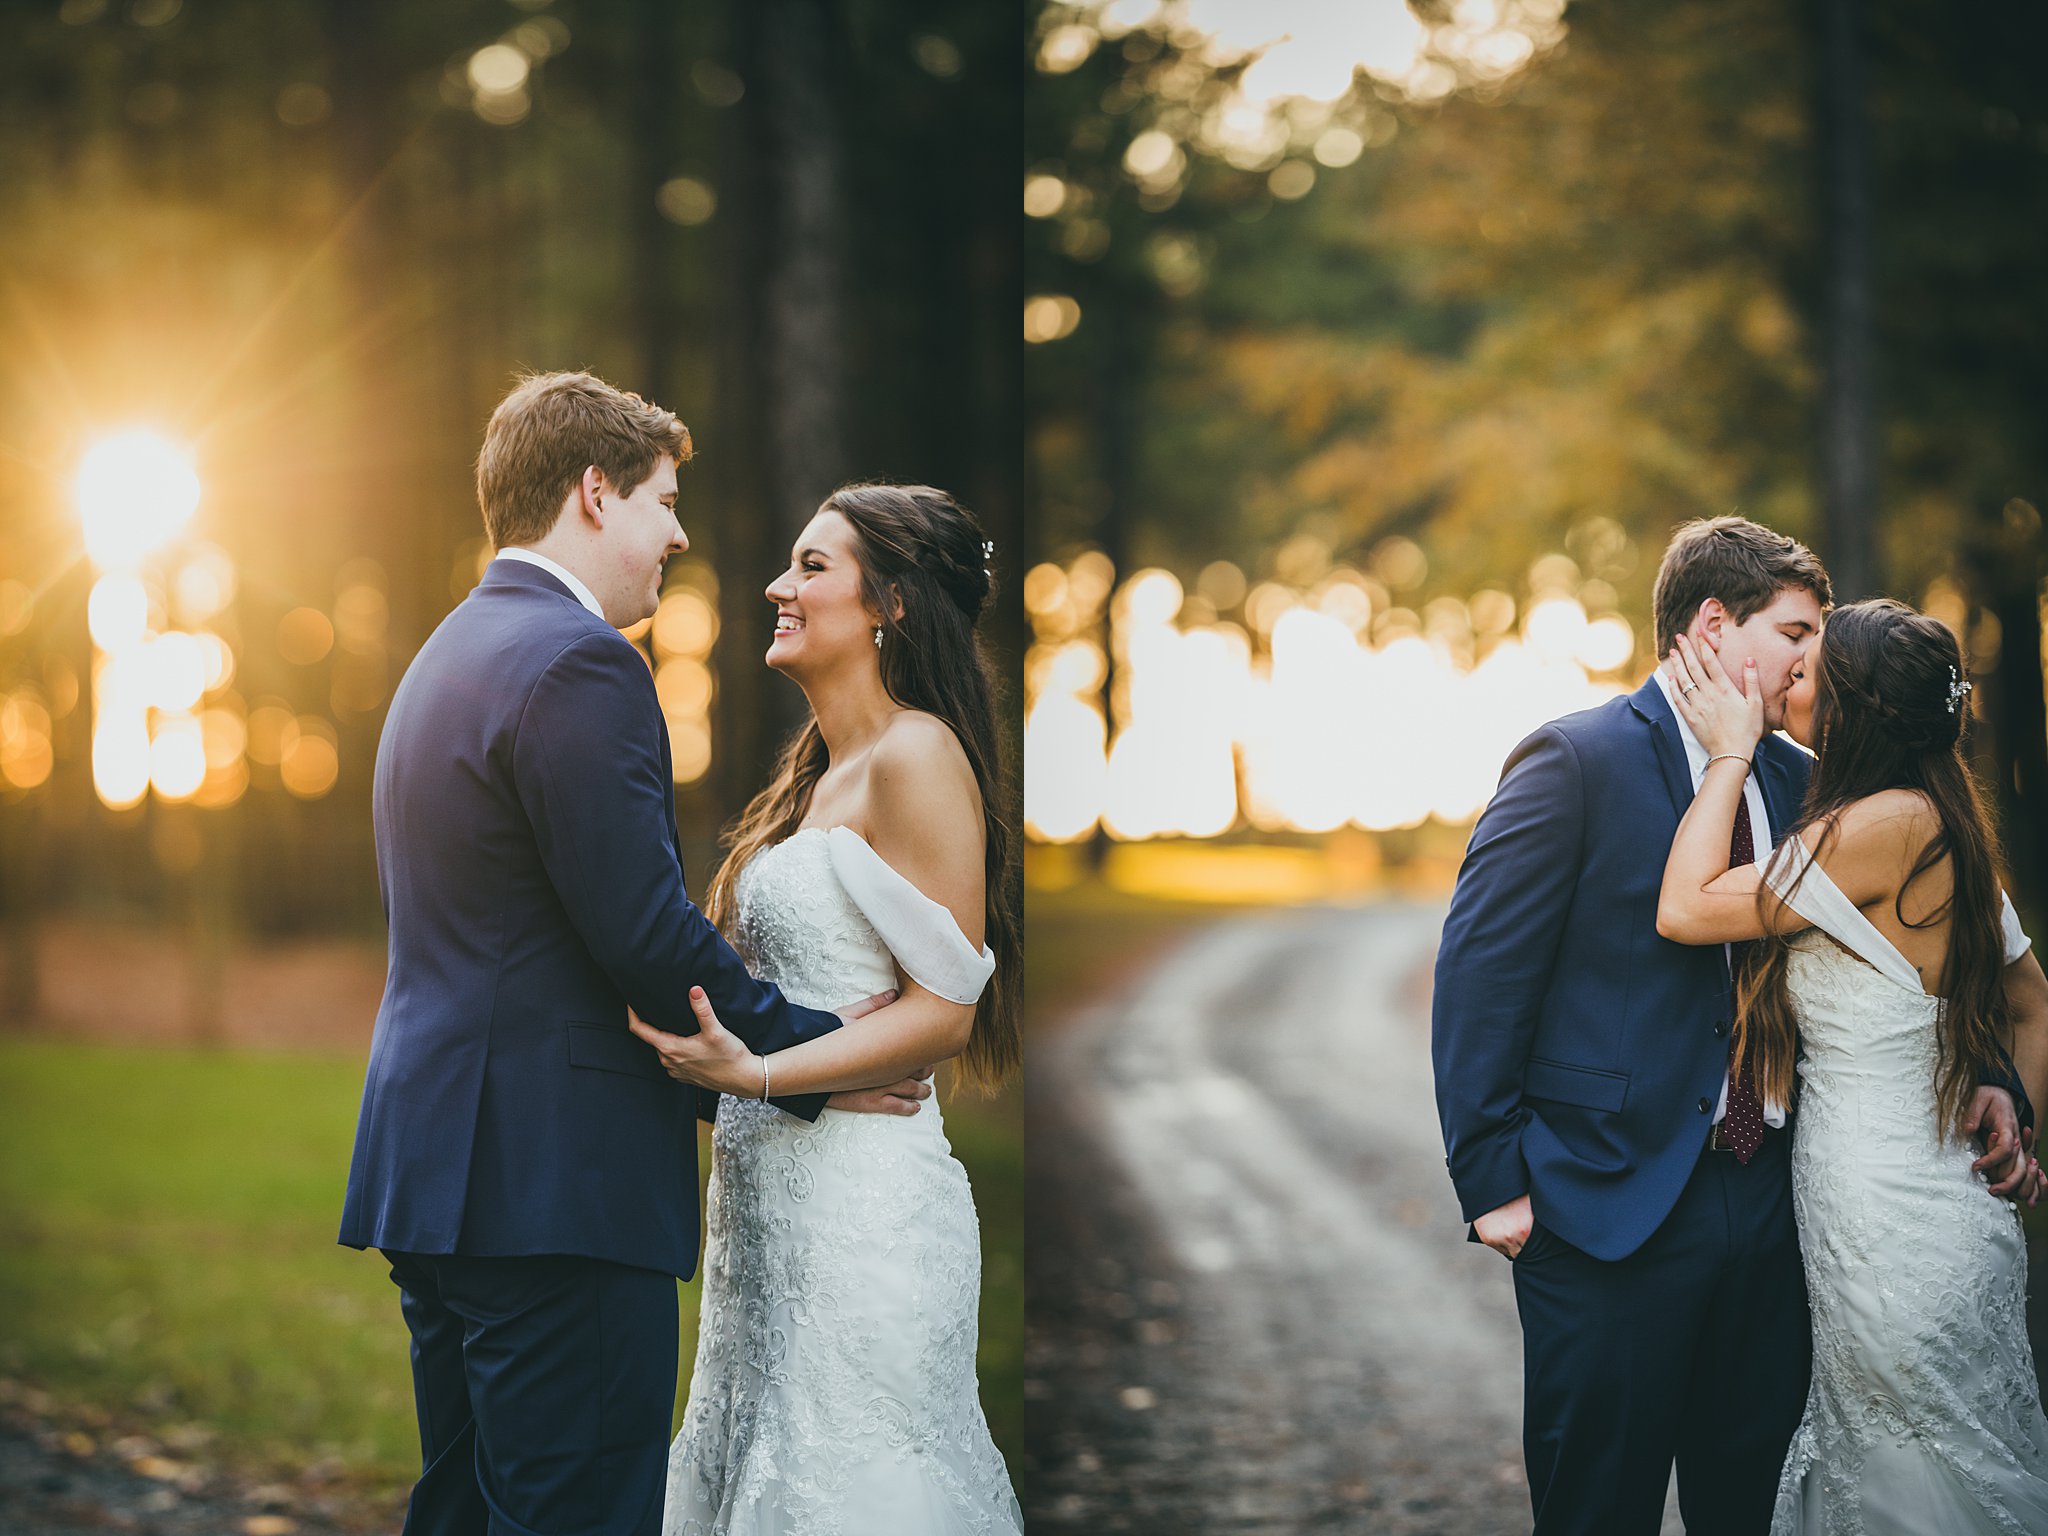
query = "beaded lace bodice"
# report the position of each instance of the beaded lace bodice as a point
(801, 929)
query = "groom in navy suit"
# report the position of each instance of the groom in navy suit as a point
(1598, 1134)
(522, 1160)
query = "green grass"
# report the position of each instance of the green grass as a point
(167, 1252)
(1087, 937)
(988, 1136)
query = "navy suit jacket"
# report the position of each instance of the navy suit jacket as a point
(528, 861)
(1578, 1054)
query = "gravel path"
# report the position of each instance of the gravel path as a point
(62, 1474)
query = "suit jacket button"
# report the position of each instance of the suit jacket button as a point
(1720, 1028)
(1705, 1105)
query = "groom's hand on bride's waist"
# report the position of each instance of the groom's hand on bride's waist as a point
(2006, 1163)
(900, 1098)
(868, 1005)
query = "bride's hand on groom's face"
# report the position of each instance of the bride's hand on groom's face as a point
(1725, 713)
(714, 1057)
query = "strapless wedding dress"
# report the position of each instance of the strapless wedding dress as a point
(834, 1390)
(1924, 1415)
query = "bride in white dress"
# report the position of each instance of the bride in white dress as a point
(1892, 979)
(834, 1389)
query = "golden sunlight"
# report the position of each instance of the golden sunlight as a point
(136, 491)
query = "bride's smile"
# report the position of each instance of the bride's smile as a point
(822, 622)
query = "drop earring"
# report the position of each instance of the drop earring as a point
(878, 637)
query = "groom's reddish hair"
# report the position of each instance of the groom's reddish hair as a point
(550, 429)
(1744, 564)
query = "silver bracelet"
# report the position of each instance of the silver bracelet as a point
(1737, 756)
(764, 1079)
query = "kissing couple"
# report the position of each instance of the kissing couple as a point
(1715, 1024)
(559, 1014)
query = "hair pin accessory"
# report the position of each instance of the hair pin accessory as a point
(1958, 689)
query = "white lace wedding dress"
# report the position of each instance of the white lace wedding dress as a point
(834, 1391)
(1924, 1416)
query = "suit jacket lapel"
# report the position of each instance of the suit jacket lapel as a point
(1649, 704)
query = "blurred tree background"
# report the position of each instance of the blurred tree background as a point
(1494, 313)
(310, 244)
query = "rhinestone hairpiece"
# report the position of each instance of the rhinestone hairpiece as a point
(1958, 689)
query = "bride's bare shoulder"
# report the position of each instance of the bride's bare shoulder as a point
(1898, 810)
(923, 814)
(1889, 825)
(919, 769)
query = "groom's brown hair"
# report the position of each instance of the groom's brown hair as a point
(1744, 564)
(550, 429)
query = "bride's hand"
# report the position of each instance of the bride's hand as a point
(1727, 716)
(714, 1057)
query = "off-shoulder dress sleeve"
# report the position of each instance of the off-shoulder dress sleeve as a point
(1799, 880)
(2016, 941)
(919, 931)
(1805, 887)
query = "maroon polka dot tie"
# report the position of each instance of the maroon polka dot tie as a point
(1743, 1125)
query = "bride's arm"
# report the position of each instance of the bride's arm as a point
(1702, 900)
(923, 817)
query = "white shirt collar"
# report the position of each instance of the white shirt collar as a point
(566, 578)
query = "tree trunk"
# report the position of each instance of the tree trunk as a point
(1848, 305)
(781, 448)
(2013, 707)
(1118, 418)
(652, 309)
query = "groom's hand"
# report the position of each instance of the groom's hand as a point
(892, 1099)
(2005, 1163)
(866, 1006)
(1505, 1228)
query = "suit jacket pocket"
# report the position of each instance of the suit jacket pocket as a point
(608, 1048)
(1587, 1087)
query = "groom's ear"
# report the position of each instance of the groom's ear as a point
(589, 494)
(1710, 621)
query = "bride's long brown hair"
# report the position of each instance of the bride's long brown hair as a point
(918, 547)
(1888, 713)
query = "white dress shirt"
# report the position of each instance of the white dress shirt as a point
(1760, 839)
(532, 557)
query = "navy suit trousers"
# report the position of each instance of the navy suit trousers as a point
(1694, 1349)
(545, 1387)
